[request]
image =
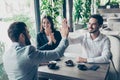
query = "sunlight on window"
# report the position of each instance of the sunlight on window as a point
(16, 10)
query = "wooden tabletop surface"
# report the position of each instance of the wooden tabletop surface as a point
(73, 73)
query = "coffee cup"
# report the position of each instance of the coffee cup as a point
(52, 64)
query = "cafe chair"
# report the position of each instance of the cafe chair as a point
(114, 70)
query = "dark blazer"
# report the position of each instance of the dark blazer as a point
(42, 41)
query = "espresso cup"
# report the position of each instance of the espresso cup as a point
(52, 64)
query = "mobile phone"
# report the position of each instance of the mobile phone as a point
(94, 67)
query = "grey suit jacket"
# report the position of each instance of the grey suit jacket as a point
(21, 62)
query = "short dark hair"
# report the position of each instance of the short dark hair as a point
(50, 19)
(15, 29)
(98, 17)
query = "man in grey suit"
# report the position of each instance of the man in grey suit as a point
(22, 59)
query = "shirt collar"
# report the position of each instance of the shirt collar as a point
(17, 44)
(97, 39)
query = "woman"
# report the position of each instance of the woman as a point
(48, 38)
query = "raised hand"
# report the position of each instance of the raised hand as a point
(51, 39)
(64, 29)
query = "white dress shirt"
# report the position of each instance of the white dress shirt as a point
(97, 50)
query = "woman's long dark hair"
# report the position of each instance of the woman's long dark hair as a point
(51, 22)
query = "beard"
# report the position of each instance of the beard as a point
(94, 31)
(27, 40)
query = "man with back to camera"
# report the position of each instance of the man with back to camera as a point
(95, 45)
(22, 59)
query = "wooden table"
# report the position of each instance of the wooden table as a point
(73, 73)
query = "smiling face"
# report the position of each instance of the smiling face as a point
(46, 23)
(93, 25)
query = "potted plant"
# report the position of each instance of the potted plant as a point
(78, 10)
(81, 13)
(3, 75)
(86, 12)
(114, 4)
(77, 14)
(51, 8)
